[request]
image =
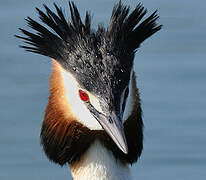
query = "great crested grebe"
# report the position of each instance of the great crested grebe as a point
(93, 120)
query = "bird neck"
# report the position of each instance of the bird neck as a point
(66, 140)
(98, 163)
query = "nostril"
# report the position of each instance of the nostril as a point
(110, 120)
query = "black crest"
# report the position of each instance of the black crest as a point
(96, 58)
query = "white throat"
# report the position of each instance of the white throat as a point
(99, 164)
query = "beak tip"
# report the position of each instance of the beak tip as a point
(124, 146)
(115, 131)
(125, 150)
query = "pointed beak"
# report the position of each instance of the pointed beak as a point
(112, 124)
(114, 128)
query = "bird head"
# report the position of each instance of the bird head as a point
(95, 70)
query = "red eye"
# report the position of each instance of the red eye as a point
(84, 96)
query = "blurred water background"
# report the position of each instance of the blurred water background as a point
(171, 71)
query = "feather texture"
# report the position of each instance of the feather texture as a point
(95, 58)
(124, 30)
(101, 62)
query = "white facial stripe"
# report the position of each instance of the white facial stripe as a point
(130, 100)
(78, 107)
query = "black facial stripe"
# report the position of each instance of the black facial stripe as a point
(125, 98)
(95, 113)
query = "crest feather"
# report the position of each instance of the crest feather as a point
(55, 45)
(61, 38)
(101, 62)
(124, 28)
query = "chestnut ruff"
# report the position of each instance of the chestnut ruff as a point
(64, 139)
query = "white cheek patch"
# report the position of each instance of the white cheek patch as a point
(78, 107)
(130, 100)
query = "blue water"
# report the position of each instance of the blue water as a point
(171, 71)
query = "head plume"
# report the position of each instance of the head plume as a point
(124, 32)
(106, 54)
